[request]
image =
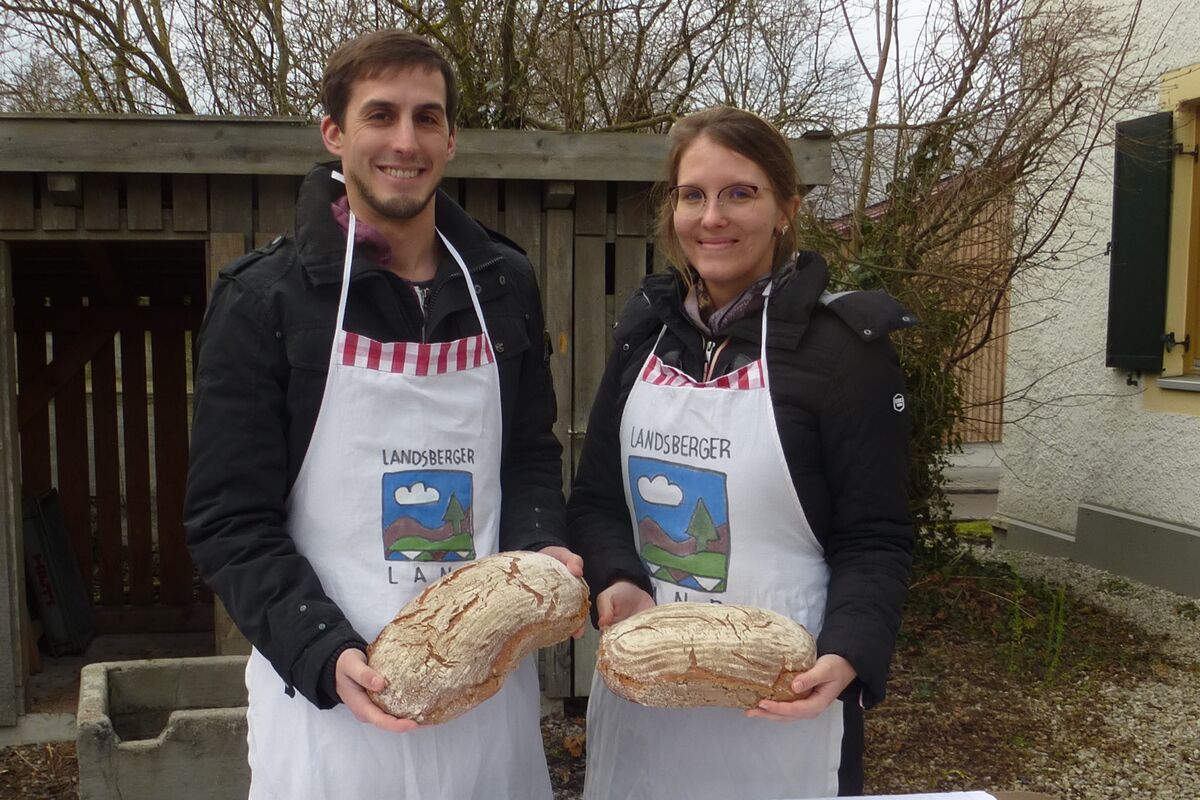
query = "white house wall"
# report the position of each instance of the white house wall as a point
(1086, 438)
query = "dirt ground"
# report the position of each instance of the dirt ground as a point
(989, 671)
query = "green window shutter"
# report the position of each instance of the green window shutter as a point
(1137, 282)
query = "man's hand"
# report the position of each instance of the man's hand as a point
(622, 599)
(353, 679)
(817, 688)
(574, 565)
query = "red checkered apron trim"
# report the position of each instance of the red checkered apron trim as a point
(415, 358)
(660, 374)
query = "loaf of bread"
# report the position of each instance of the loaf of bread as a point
(704, 654)
(452, 646)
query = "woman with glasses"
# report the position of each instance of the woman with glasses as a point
(748, 444)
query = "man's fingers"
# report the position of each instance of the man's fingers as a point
(368, 713)
(364, 676)
(571, 561)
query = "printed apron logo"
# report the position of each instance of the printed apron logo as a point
(427, 516)
(683, 523)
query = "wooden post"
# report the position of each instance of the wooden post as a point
(12, 572)
(222, 249)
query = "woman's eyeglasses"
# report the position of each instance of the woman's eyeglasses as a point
(691, 200)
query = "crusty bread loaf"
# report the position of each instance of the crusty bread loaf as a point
(704, 654)
(452, 646)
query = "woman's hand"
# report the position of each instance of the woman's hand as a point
(353, 679)
(817, 688)
(622, 599)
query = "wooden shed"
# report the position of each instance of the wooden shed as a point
(111, 230)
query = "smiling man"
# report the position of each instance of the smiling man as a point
(390, 323)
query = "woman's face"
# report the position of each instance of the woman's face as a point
(730, 241)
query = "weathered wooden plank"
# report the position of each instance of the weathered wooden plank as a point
(223, 249)
(53, 216)
(560, 323)
(73, 348)
(635, 209)
(231, 204)
(630, 269)
(276, 205)
(558, 194)
(585, 661)
(483, 201)
(291, 146)
(591, 208)
(227, 639)
(523, 224)
(170, 464)
(196, 618)
(16, 201)
(101, 204)
(556, 670)
(71, 449)
(143, 202)
(189, 202)
(107, 467)
(135, 416)
(633, 216)
(591, 330)
(12, 568)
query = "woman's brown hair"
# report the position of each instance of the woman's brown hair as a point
(746, 134)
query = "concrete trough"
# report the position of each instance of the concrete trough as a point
(163, 728)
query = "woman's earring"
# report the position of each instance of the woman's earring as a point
(781, 231)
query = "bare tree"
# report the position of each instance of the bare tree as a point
(578, 65)
(959, 178)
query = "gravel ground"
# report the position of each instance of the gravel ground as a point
(1151, 747)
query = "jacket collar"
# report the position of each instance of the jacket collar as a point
(789, 311)
(321, 243)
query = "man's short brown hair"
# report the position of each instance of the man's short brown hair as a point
(375, 54)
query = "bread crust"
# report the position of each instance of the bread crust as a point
(705, 654)
(452, 646)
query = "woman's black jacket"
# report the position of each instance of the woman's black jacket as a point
(841, 411)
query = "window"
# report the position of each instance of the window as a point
(1154, 278)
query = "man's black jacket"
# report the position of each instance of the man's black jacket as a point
(839, 399)
(264, 351)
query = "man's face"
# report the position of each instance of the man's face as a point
(394, 143)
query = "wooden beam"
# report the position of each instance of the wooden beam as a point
(12, 568)
(266, 146)
(143, 202)
(67, 363)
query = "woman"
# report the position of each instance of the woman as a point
(748, 444)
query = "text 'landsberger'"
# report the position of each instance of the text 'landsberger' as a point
(677, 444)
(429, 458)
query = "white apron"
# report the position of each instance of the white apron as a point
(400, 483)
(717, 520)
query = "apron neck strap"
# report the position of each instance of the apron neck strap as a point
(762, 356)
(466, 273)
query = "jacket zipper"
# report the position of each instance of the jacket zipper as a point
(431, 296)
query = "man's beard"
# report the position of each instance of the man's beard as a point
(398, 208)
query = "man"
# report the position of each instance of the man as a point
(373, 406)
